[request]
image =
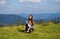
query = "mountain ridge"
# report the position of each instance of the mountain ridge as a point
(13, 18)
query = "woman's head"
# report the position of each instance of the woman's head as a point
(30, 16)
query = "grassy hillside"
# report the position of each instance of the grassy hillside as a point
(41, 32)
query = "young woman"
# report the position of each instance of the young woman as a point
(32, 23)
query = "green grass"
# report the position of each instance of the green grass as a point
(41, 32)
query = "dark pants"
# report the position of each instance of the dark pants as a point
(26, 28)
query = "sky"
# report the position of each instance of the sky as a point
(29, 6)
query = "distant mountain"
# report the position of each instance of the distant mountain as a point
(45, 16)
(41, 16)
(13, 18)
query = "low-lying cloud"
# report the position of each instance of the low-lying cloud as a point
(30, 0)
(2, 2)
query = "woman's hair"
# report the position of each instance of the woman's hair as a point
(32, 20)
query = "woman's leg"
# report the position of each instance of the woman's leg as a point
(26, 27)
(28, 30)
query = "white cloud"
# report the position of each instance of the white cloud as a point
(2, 2)
(30, 0)
(57, 0)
